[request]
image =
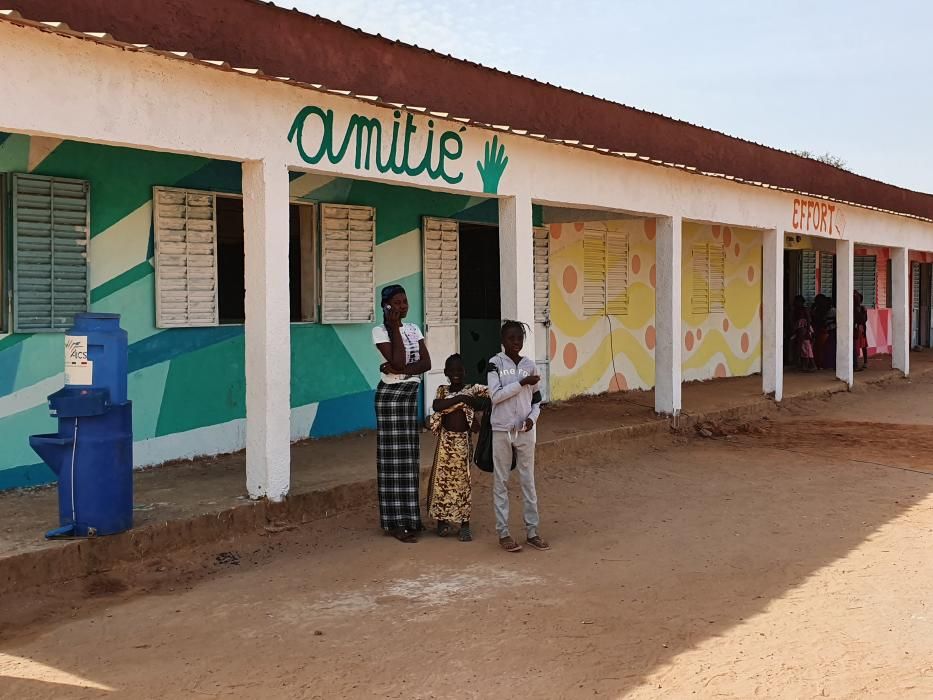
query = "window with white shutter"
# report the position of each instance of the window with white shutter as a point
(865, 280)
(542, 266)
(808, 274)
(50, 242)
(605, 272)
(348, 249)
(185, 224)
(827, 265)
(708, 291)
(441, 256)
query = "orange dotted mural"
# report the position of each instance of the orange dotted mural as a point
(651, 228)
(723, 342)
(570, 355)
(570, 279)
(618, 383)
(586, 359)
(582, 359)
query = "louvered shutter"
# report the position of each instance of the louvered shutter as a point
(441, 260)
(827, 264)
(699, 290)
(50, 242)
(617, 256)
(594, 272)
(717, 279)
(185, 224)
(808, 274)
(542, 267)
(915, 286)
(708, 291)
(348, 250)
(865, 279)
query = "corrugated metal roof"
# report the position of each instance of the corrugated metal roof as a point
(106, 39)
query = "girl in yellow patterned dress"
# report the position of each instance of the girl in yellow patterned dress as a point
(449, 489)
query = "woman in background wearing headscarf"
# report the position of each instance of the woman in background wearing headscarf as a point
(398, 445)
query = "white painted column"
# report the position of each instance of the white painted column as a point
(845, 264)
(516, 265)
(268, 342)
(668, 316)
(900, 306)
(772, 324)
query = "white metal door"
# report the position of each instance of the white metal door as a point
(441, 264)
(542, 244)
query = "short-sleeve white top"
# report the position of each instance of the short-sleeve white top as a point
(411, 338)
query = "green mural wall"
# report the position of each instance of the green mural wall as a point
(187, 385)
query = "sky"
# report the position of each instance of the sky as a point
(852, 79)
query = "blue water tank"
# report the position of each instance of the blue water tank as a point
(96, 354)
(92, 452)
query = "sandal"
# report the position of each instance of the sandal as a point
(402, 535)
(465, 534)
(509, 545)
(538, 543)
(443, 528)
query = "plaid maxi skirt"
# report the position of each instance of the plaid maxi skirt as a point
(398, 455)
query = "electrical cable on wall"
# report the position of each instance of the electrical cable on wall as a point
(615, 373)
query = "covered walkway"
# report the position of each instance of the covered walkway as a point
(177, 505)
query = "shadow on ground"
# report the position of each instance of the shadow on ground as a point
(660, 546)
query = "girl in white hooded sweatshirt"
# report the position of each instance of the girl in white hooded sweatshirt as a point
(515, 409)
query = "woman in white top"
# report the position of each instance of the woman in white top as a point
(398, 446)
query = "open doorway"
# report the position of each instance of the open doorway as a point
(810, 284)
(479, 297)
(921, 320)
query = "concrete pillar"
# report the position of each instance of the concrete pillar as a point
(268, 343)
(516, 265)
(668, 316)
(900, 306)
(772, 324)
(845, 264)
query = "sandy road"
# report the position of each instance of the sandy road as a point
(764, 564)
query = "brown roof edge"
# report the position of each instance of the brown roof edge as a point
(310, 49)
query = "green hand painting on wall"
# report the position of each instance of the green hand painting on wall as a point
(493, 165)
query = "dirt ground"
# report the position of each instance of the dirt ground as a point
(782, 558)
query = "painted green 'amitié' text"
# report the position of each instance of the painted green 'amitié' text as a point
(366, 135)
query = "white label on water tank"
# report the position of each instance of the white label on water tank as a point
(79, 370)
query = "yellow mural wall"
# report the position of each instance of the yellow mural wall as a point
(585, 357)
(723, 344)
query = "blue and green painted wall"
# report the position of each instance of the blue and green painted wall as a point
(188, 385)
